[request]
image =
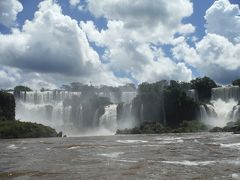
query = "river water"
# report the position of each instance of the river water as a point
(170, 156)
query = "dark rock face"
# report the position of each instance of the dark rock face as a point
(7, 106)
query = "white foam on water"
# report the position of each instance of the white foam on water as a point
(112, 155)
(127, 161)
(12, 147)
(168, 138)
(190, 163)
(131, 141)
(236, 176)
(180, 141)
(196, 141)
(232, 162)
(231, 145)
(151, 145)
(72, 148)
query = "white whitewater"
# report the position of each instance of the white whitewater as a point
(220, 113)
(225, 105)
(46, 108)
(108, 120)
(226, 93)
(64, 111)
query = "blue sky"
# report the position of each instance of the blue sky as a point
(48, 43)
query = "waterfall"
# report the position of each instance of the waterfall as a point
(125, 117)
(236, 113)
(70, 112)
(127, 97)
(203, 112)
(192, 93)
(225, 106)
(225, 100)
(142, 113)
(47, 107)
(226, 93)
(108, 120)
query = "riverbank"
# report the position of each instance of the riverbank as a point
(185, 127)
(17, 129)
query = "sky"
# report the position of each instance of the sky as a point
(47, 43)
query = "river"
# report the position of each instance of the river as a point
(168, 156)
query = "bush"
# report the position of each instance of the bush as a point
(191, 126)
(236, 82)
(155, 128)
(17, 129)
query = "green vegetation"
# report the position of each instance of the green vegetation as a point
(17, 129)
(203, 87)
(7, 106)
(164, 107)
(20, 88)
(236, 82)
(191, 127)
(178, 106)
(230, 127)
(165, 103)
(152, 128)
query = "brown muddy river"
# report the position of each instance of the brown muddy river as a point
(170, 156)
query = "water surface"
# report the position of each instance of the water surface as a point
(172, 156)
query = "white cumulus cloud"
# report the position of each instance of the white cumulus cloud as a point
(8, 11)
(135, 31)
(53, 44)
(223, 18)
(217, 54)
(74, 3)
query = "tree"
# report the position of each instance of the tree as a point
(236, 82)
(7, 106)
(178, 106)
(204, 88)
(20, 88)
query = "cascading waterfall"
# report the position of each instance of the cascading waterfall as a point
(45, 107)
(108, 120)
(128, 97)
(70, 112)
(192, 93)
(226, 93)
(203, 112)
(225, 106)
(235, 115)
(142, 113)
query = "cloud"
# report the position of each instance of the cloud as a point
(134, 34)
(74, 3)
(223, 18)
(8, 11)
(145, 20)
(9, 77)
(53, 44)
(217, 54)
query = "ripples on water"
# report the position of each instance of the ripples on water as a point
(185, 156)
